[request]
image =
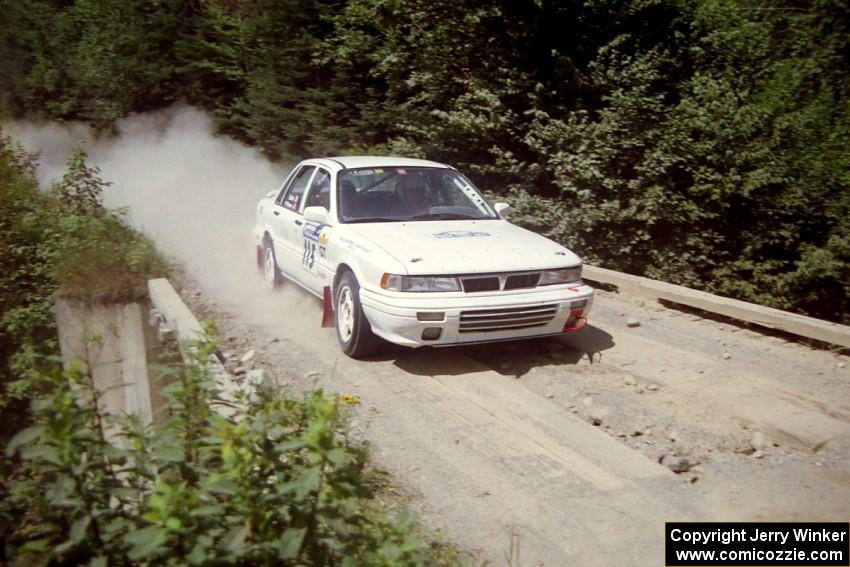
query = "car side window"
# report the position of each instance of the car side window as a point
(320, 190)
(291, 198)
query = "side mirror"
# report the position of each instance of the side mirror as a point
(317, 214)
(503, 210)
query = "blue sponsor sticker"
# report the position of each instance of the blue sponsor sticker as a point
(312, 230)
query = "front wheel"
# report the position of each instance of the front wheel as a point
(352, 328)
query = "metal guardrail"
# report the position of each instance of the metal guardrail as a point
(800, 325)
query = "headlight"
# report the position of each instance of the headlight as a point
(419, 283)
(562, 276)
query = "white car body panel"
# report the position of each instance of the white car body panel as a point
(312, 254)
(461, 247)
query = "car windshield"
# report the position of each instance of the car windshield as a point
(394, 194)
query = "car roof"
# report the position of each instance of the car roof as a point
(349, 162)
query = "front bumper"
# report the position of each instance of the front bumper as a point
(476, 318)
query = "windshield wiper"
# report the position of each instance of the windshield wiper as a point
(373, 219)
(444, 216)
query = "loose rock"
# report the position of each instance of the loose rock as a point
(598, 415)
(680, 465)
(247, 356)
(652, 387)
(629, 380)
(257, 377)
(240, 370)
(632, 322)
(726, 356)
(760, 441)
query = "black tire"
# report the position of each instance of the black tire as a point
(358, 340)
(271, 273)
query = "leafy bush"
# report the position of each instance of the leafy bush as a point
(26, 279)
(29, 242)
(102, 259)
(278, 482)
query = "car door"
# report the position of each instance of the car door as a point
(288, 224)
(314, 235)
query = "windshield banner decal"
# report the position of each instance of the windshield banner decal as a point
(460, 234)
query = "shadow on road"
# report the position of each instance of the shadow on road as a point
(513, 358)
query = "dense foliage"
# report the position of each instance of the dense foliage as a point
(277, 482)
(704, 143)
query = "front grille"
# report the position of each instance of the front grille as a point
(489, 283)
(484, 320)
(520, 281)
(497, 282)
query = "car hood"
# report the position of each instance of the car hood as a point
(465, 247)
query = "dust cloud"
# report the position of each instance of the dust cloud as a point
(192, 192)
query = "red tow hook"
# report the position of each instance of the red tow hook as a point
(327, 307)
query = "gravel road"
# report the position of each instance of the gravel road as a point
(578, 449)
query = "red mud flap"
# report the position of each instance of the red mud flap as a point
(575, 321)
(327, 307)
(260, 258)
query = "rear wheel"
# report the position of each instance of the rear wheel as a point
(271, 274)
(352, 328)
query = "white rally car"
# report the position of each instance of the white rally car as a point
(408, 250)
